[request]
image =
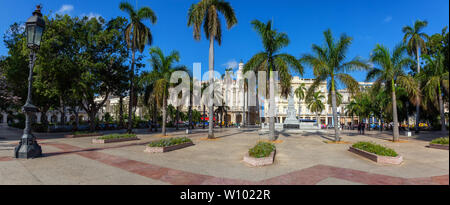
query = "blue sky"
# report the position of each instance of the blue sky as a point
(368, 22)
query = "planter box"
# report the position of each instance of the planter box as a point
(260, 161)
(83, 135)
(439, 146)
(377, 158)
(167, 149)
(103, 141)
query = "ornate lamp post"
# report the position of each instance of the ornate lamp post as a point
(28, 146)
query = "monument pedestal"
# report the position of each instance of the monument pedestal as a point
(291, 124)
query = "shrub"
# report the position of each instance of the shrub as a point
(375, 149)
(442, 140)
(116, 136)
(170, 142)
(262, 149)
(83, 132)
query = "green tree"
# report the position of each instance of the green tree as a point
(101, 61)
(390, 72)
(315, 104)
(57, 75)
(415, 39)
(206, 12)
(328, 64)
(137, 35)
(300, 93)
(272, 60)
(159, 78)
(435, 77)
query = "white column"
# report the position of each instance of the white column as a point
(58, 117)
(38, 117)
(5, 118)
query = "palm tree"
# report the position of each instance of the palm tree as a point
(272, 60)
(204, 87)
(206, 12)
(300, 92)
(137, 35)
(379, 100)
(159, 78)
(328, 64)
(338, 98)
(390, 73)
(435, 77)
(350, 109)
(415, 39)
(315, 104)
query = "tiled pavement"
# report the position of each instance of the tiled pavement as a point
(308, 176)
(160, 174)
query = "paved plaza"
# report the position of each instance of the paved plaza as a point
(300, 160)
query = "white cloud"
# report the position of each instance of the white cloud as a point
(92, 15)
(66, 8)
(231, 64)
(388, 19)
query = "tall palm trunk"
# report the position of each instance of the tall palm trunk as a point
(164, 117)
(417, 98)
(318, 120)
(244, 115)
(441, 108)
(258, 114)
(130, 103)
(121, 112)
(337, 138)
(211, 83)
(190, 113)
(155, 115)
(177, 118)
(394, 113)
(63, 112)
(272, 135)
(204, 116)
(247, 108)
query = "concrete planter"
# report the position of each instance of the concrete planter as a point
(439, 146)
(377, 158)
(104, 141)
(257, 162)
(167, 149)
(83, 135)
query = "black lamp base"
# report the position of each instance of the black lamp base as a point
(28, 148)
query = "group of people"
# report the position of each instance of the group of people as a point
(361, 127)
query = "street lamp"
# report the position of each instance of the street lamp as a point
(28, 146)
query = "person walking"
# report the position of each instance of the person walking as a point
(359, 128)
(363, 127)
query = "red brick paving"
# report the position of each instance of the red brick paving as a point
(308, 176)
(4, 159)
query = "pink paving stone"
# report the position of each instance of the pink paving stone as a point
(311, 175)
(225, 181)
(419, 181)
(152, 172)
(442, 180)
(308, 176)
(178, 177)
(4, 159)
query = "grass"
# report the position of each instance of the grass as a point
(262, 149)
(170, 142)
(375, 149)
(83, 133)
(442, 140)
(116, 136)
